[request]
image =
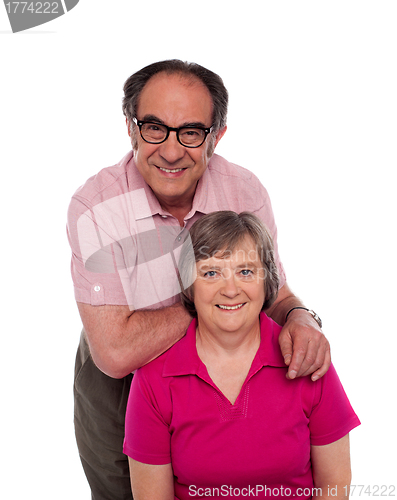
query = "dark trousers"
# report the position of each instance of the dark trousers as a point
(100, 403)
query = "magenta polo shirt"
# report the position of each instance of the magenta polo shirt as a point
(176, 414)
(125, 247)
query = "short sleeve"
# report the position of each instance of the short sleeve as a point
(147, 437)
(121, 253)
(94, 263)
(332, 416)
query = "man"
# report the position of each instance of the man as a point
(126, 226)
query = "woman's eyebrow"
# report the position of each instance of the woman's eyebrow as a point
(247, 264)
(207, 267)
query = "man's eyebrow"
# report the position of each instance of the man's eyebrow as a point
(156, 119)
(194, 125)
(152, 118)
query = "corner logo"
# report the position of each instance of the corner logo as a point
(25, 15)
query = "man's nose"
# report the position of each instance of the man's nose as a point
(171, 149)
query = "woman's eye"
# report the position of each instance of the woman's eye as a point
(210, 274)
(246, 272)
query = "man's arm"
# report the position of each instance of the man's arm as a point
(303, 345)
(121, 341)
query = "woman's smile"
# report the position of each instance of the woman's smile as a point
(229, 290)
(230, 307)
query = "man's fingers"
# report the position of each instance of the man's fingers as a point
(320, 365)
(286, 347)
(305, 351)
(294, 354)
(324, 368)
(313, 359)
(297, 361)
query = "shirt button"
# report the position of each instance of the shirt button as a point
(97, 288)
(179, 238)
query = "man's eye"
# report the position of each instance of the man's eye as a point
(191, 133)
(246, 272)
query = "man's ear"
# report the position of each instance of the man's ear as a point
(220, 134)
(128, 126)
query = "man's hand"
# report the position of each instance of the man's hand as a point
(304, 347)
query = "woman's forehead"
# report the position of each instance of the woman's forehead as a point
(245, 251)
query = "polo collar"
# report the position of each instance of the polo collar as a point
(137, 183)
(204, 200)
(182, 358)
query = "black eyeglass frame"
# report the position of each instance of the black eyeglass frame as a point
(140, 124)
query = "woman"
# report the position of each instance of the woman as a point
(215, 416)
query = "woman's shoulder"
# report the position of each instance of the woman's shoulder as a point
(172, 358)
(270, 347)
(269, 326)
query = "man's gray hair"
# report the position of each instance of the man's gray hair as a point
(220, 233)
(135, 84)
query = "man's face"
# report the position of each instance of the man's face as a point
(170, 169)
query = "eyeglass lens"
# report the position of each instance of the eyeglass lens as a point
(155, 133)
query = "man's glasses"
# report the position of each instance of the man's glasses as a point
(155, 133)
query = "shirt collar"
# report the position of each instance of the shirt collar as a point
(137, 182)
(182, 358)
(201, 201)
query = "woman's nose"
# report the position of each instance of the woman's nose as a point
(230, 286)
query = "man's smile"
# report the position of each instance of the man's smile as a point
(171, 170)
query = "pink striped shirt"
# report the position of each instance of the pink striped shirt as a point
(125, 246)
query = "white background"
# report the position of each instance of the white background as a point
(313, 112)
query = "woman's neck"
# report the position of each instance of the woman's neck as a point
(230, 344)
(228, 357)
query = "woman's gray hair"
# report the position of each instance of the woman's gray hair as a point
(135, 84)
(220, 233)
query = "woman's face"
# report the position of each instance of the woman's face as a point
(229, 290)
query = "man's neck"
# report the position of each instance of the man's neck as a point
(179, 214)
(178, 208)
